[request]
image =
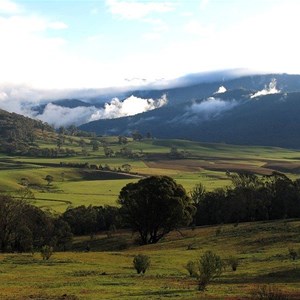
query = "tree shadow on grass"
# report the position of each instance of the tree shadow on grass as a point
(281, 276)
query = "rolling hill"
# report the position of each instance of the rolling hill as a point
(18, 133)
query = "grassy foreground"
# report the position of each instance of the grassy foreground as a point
(262, 249)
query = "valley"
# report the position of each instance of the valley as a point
(193, 163)
(73, 179)
(149, 150)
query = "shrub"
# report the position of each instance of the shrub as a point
(192, 267)
(233, 262)
(218, 231)
(293, 253)
(210, 267)
(141, 263)
(268, 292)
(46, 252)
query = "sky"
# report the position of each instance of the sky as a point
(64, 44)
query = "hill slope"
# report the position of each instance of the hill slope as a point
(18, 132)
(261, 248)
(242, 115)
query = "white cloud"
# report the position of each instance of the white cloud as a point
(206, 110)
(158, 30)
(30, 55)
(3, 96)
(222, 89)
(196, 28)
(204, 4)
(57, 25)
(9, 7)
(152, 36)
(63, 116)
(271, 89)
(134, 10)
(212, 107)
(187, 14)
(129, 107)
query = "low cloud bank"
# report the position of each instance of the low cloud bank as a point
(63, 116)
(58, 116)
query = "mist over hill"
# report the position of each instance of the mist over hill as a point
(124, 102)
(251, 110)
(216, 107)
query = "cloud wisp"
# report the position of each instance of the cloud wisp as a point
(211, 107)
(205, 110)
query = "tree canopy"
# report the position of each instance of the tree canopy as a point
(154, 206)
(24, 227)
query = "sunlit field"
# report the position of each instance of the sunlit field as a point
(200, 163)
(262, 250)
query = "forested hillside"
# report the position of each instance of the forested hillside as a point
(233, 117)
(18, 133)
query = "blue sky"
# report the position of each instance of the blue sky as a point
(93, 44)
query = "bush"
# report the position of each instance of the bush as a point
(293, 253)
(218, 231)
(46, 252)
(210, 267)
(141, 263)
(192, 267)
(233, 262)
(268, 292)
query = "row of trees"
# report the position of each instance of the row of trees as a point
(156, 205)
(249, 198)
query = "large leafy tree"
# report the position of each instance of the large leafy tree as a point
(154, 206)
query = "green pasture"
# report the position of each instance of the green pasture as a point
(204, 162)
(262, 250)
(74, 193)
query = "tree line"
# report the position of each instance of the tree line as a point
(25, 227)
(248, 198)
(152, 207)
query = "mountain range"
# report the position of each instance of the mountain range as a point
(247, 110)
(250, 110)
